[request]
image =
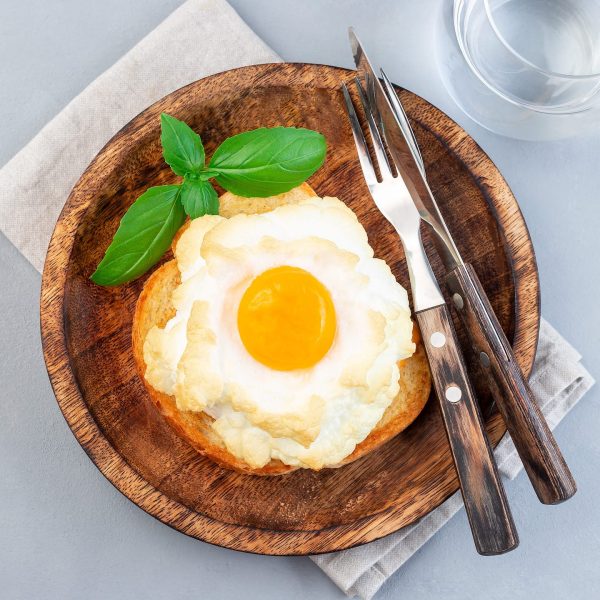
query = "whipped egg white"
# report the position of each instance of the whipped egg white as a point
(309, 417)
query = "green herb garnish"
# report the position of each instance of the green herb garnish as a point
(259, 163)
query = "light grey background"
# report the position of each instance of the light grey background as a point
(65, 532)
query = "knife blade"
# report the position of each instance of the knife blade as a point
(401, 151)
(543, 460)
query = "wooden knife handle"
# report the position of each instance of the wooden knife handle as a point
(483, 494)
(543, 461)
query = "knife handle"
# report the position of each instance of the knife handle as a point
(483, 494)
(543, 461)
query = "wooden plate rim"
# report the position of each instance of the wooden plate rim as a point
(128, 481)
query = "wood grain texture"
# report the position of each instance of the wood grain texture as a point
(541, 456)
(86, 330)
(485, 501)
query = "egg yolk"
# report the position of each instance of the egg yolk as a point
(286, 319)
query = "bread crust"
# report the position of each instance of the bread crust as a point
(154, 307)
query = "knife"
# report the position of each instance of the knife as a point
(543, 461)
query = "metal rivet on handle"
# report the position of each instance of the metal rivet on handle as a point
(458, 301)
(453, 393)
(484, 359)
(437, 339)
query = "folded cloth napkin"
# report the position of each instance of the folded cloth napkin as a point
(185, 47)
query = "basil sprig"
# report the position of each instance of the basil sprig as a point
(259, 163)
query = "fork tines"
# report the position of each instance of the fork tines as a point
(359, 138)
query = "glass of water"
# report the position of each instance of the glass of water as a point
(525, 68)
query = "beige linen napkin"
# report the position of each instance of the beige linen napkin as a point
(189, 45)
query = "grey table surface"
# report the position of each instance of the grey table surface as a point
(65, 532)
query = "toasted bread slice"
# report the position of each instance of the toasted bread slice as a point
(154, 307)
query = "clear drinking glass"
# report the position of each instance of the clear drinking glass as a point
(524, 68)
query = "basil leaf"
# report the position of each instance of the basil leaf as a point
(199, 198)
(144, 234)
(265, 162)
(182, 146)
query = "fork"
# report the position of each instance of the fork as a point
(485, 501)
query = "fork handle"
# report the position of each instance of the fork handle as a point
(541, 456)
(483, 494)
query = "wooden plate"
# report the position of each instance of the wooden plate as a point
(86, 329)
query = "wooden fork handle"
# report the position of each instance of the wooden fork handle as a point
(483, 494)
(541, 456)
